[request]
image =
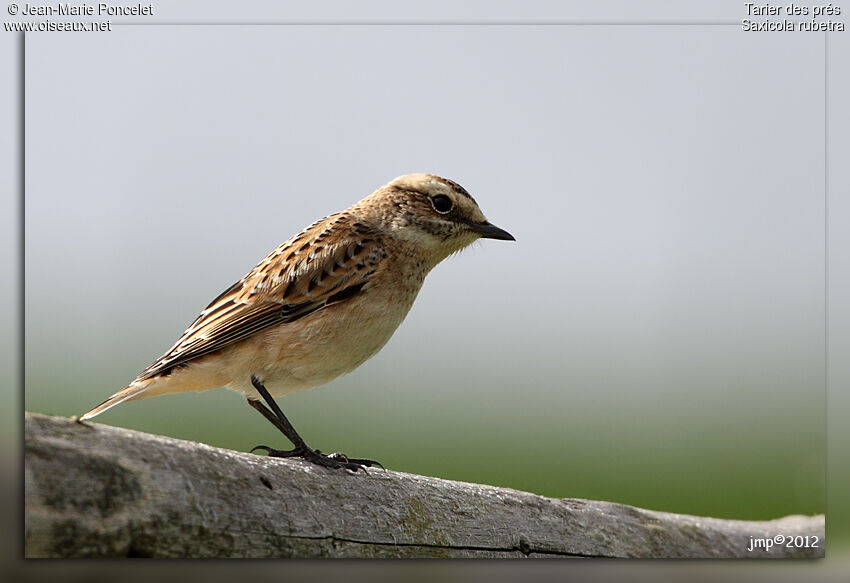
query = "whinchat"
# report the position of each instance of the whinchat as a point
(319, 305)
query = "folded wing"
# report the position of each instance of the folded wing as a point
(312, 270)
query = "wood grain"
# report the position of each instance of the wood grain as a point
(99, 491)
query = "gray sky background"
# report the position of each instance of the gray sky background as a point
(665, 185)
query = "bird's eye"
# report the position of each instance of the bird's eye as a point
(441, 203)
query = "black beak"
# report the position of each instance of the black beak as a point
(488, 231)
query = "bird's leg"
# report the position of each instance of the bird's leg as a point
(266, 412)
(301, 449)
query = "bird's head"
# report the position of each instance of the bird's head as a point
(434, 213)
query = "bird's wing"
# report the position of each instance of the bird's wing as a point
(315, 268)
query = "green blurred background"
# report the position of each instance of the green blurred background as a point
(655, 337)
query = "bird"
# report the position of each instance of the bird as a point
(319, 305)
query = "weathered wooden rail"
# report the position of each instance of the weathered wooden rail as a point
(100, 491)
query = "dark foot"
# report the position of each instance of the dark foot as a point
(314, 456)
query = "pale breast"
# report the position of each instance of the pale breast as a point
(328, 343)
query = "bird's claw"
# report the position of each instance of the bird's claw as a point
(362, 461)
(315, 456)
